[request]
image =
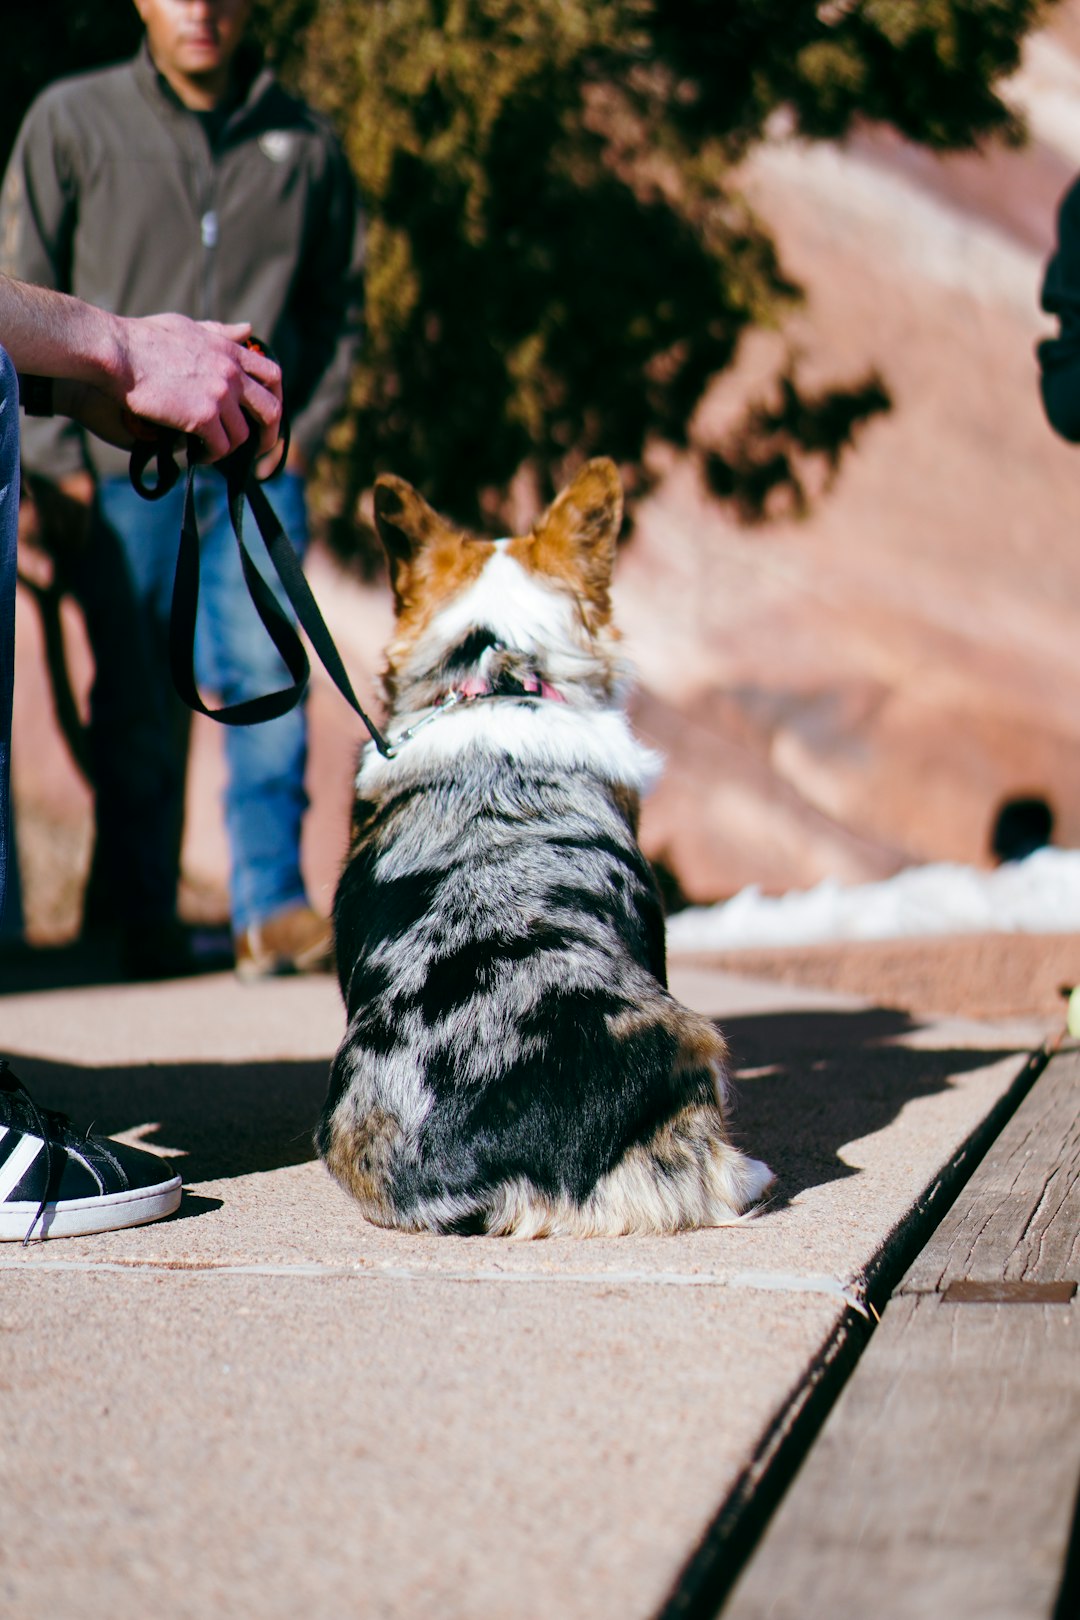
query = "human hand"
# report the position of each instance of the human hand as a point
(98, 412)
(197, 377)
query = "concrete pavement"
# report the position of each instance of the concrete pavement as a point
(266, 1405)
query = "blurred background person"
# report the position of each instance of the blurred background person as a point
(188, 179)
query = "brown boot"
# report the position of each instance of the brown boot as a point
(294, 941)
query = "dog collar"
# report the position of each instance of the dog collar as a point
(478, 686)
(474, 690)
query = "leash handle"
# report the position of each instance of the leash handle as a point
(152, 444)
(243, 484)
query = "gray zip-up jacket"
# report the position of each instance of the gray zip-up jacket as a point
(116, 193)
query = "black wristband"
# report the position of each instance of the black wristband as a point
(36, 394)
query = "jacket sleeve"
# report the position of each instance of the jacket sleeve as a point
(328, 305)
(38, 211)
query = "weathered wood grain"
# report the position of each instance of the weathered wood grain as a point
(1019, 1215)
(942, 1486)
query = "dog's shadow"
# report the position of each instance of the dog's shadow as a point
(807, 1083)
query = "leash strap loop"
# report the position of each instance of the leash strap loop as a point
(242, 484)
(161, 448)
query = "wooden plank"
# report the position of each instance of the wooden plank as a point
(943, 1483)
(1018, 1218)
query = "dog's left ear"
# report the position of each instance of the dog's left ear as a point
(407, 525)
(580, 529)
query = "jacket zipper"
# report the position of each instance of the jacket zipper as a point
(209, 229)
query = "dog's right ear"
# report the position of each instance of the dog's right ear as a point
(407, 525)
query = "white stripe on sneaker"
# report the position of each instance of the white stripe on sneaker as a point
(18, 1163)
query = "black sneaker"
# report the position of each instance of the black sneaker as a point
(56, 1183)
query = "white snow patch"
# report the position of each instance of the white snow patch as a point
(1039, 895)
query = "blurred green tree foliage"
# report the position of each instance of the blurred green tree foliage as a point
(559, 256)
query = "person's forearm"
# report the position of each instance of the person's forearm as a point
(52, 335)
(201, 378)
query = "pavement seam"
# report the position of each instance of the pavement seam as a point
(754, 1281)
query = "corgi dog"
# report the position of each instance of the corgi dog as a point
(514, 1063)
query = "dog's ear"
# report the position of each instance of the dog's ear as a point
(407, 525)
(579, 530)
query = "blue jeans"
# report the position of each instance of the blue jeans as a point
(138, 728)
(9, 529)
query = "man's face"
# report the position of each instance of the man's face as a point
(193, 39)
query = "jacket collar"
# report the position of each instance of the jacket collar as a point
(255, 79)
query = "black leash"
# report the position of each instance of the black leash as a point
(242, 484)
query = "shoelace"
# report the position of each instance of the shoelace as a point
(43, 1122)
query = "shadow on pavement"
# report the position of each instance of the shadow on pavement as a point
(225, 1119)
(193, 1205)
(30, 969)
(807, 1083)
(810, 1083)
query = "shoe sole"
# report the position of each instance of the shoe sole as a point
(79, 1217)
